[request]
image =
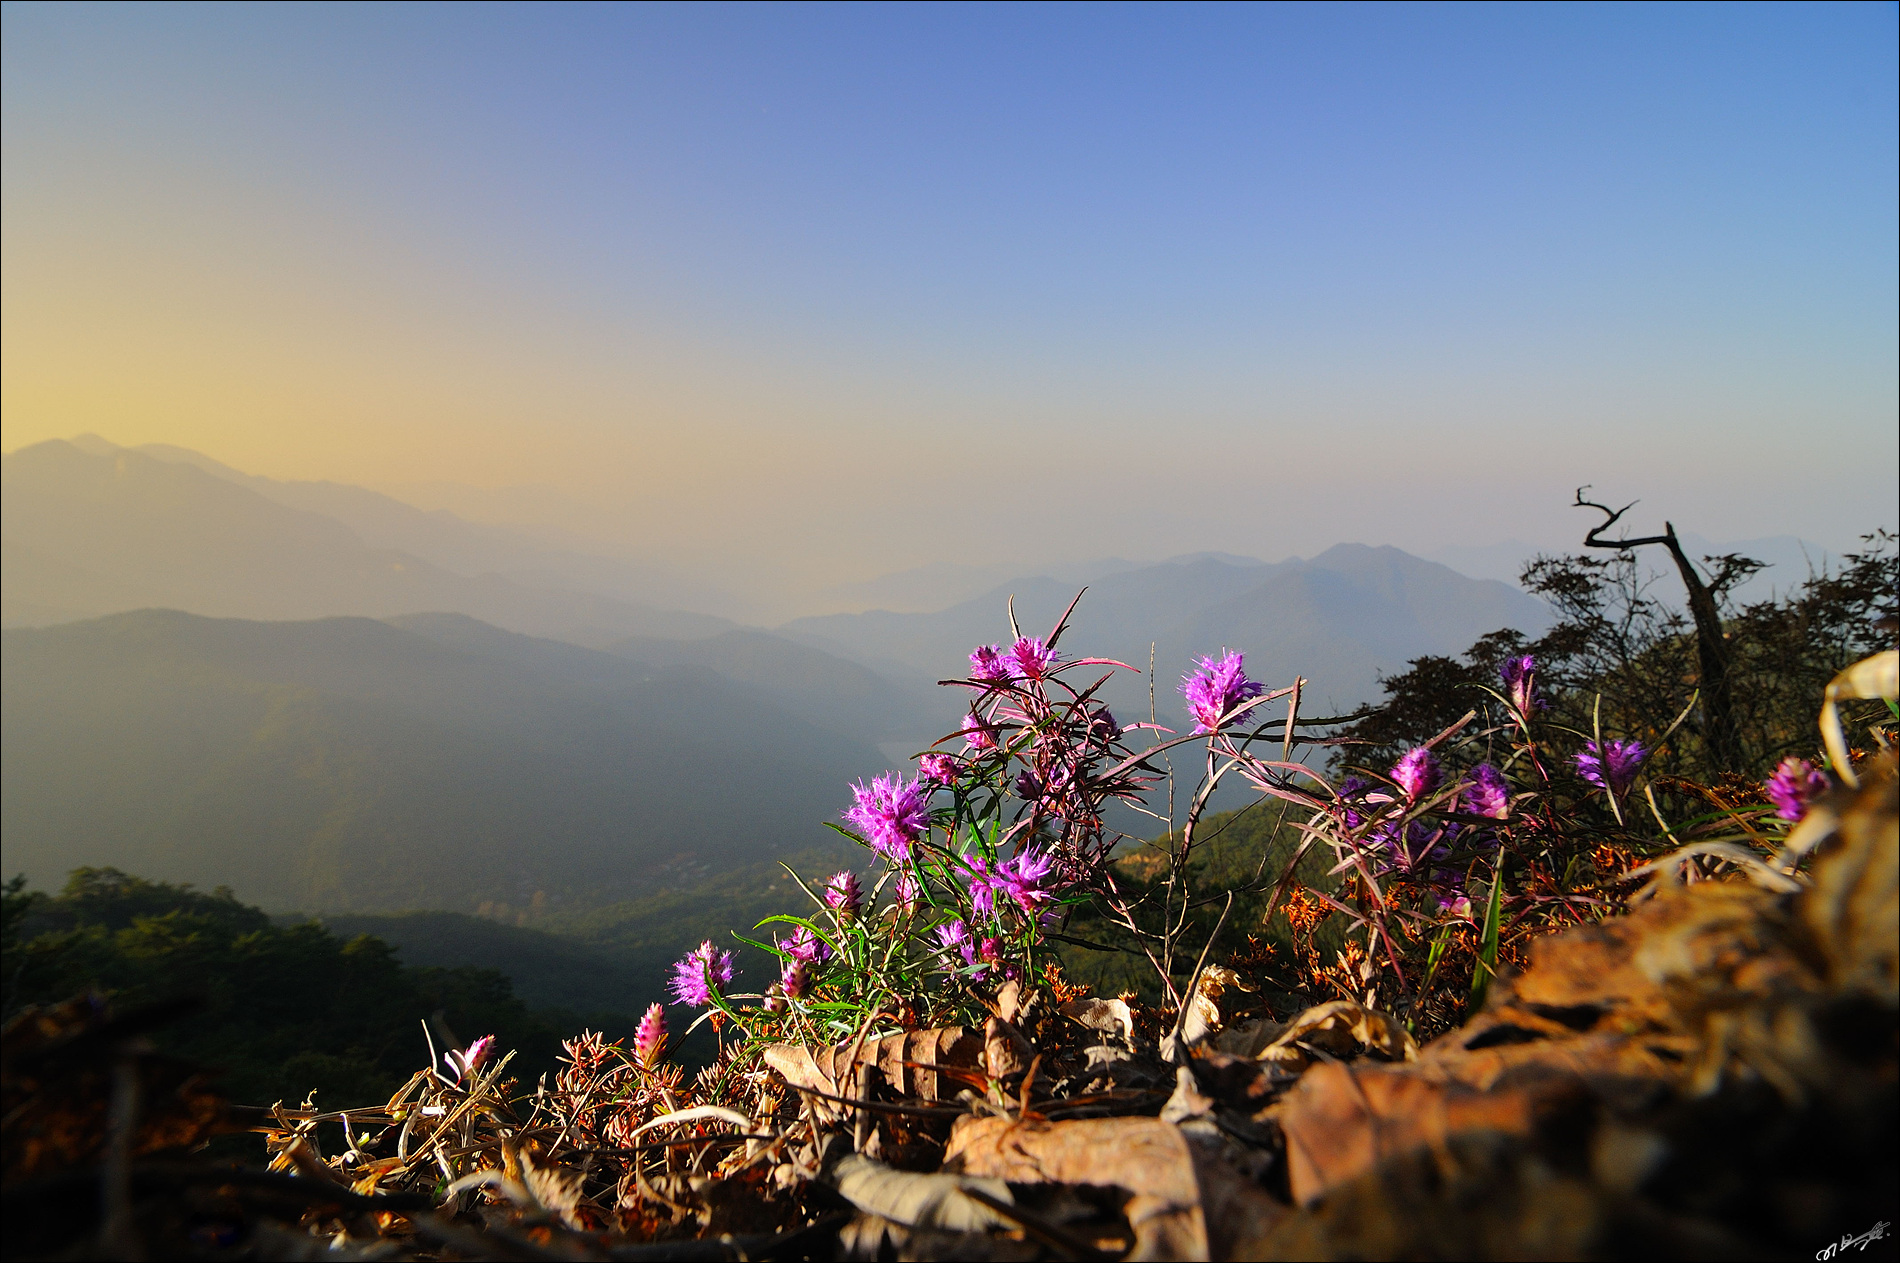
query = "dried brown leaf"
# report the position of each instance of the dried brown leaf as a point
(1146, 1157)
(938, 1200)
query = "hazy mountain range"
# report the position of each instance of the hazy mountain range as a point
(526, 718)
(100, 529)
(1338, 619)
(348, 763)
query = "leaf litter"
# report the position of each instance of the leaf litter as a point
(1634, 1091)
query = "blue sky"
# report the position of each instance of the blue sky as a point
(1070, 280)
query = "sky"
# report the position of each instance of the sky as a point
(806, 293)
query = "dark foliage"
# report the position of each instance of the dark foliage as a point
(286, 1008)
(1620, 637)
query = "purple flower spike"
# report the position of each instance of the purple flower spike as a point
(990, 952)
(1030, 659)
(891, 813)
(990, 665)
(1487, 793)
(843, 895)
(955, 934)
(470, 1059)
(1029, 786)
(1023, 879)
(1418, 773)
(1520, 683)
(978, 735)
(649, 1038)
(1612, 765)
(939, 769)
(796, 980)
(804, 945)
(1216, 689)
(984, 883)
(1794, 787)
(906, 893)
(699, 973)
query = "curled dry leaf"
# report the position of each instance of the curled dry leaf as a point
(1005, 1051)
(1112, 1018)
(1339, 1028)
(906, 1062)
(1340, 1121)
(1202, 1018)
(1853, 909)
(1146, 1157)
(940, 1200)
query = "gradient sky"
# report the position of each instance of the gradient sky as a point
(824, 291)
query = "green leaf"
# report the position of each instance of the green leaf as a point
(1487, 965)
(830, 942)
(764, 947)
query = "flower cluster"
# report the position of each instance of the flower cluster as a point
(938, 769)
(989, 665)
(1418, 773)
(979, 850)
(1218, 689)
(466, 1062)
(1610, 765)
(891, 813)
(843, 894)
(1519, 674)
(1031, 660)
(1795, 785)
(1486, 793)
(649, 1038)
(700, 974)
(1024, 881)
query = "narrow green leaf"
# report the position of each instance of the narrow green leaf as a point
(1487, 965)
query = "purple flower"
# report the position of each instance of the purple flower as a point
(989, 665)
(1451, 901)
(699, 973)
(649, 1038)
(804, 945)
(1217, 689)
(891, 813)
(977, 734)
(843, 895)
(1612, 765)
(1520, 683)
(990, 952)
(1794, 786)
(1413, 849)
(1029, 786)
(1102, 727)
(906, 893)
(1418, 773)
(1350, 798)
(796, 979)
(470, 1059)
(1023, 879)
(1030, 659)
(984, 883)
(938, 768)
(1486, 793)
(955, 934)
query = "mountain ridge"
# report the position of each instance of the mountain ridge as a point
(91, 534)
